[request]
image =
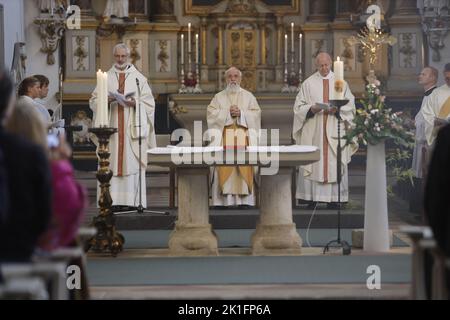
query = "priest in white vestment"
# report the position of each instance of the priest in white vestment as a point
(428, 79)
(313, 126)
(124, 145)
(234, 112)
(436, 110)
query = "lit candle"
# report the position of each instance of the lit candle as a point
(339, 83)
(292, 37)
(300, 39)
(189, 37)
(285, 48)
(196, 48)
(182, 49)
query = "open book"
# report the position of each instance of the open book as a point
(120, 98)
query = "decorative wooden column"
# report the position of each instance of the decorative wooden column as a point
(220, 44)
(203, 67)
(279, 77)
(263, 51)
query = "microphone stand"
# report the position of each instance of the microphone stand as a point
(346, 249)
(140, 208)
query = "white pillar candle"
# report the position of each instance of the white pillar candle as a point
(189, 37)
(339, 69)
(98, 111)
(285, 48)
(338, 79)
(182, 49)
(196, 48)
(105, 100)
(292, 37)
(300, 40)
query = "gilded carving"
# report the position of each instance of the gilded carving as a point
(80, 53)
(134, 52)
(407, 50)
(163, 56)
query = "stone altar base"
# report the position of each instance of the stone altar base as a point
(193, 240)
(276, 239)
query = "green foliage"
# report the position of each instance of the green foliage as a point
(375, 123)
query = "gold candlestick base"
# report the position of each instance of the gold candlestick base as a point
(107, 238)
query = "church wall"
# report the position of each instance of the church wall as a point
(445, 58)
(36, 60)
(13, 13)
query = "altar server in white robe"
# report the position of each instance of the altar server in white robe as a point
(124, 145)
(313, 126)
(436, 110)
(428, 79)
(234, 112)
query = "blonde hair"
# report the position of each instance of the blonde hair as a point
(26, 122)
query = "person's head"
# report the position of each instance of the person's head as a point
(323, 63)
(447, 74)
(121, 55)
(44, 82)
(30, 87)
(233, 77)
(27, 123)
(428, 77)
(7, 97)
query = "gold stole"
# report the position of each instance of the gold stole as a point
(443, 114)
(236, 138)
(445, 109)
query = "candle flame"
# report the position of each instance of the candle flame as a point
(338, 58)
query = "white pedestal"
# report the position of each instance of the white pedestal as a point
(276, 233)
(193, 235)
(376, 223)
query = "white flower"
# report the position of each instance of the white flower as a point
(374, 111)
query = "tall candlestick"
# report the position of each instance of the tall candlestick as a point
(339, 83)
(286, 48)
(196, 48)
(189, 37)
(292, 37)
(182, 49)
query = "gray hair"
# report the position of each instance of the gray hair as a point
(121, 46)
(233, 68)
(323, 53)
(447, 67)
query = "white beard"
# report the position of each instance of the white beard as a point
(121, 66)
(233, 88)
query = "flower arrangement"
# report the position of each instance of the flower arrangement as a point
(375, 123)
